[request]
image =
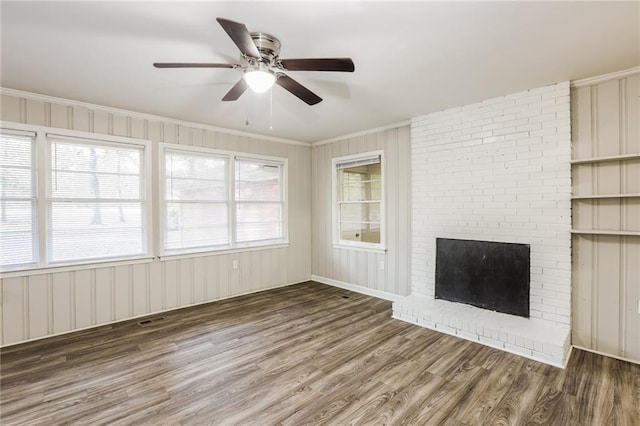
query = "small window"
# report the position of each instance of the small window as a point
(359, 201)
(18, 202)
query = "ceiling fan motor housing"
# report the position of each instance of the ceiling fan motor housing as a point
(268, 46)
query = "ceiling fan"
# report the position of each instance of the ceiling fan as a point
(264, 67)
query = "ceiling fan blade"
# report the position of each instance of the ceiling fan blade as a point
(318, 64)
(192, 65)
(240, 36)
(236, 91)
(297, 89)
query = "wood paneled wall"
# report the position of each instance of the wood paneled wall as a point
(35, 306)
(606, 216)
(373, 273)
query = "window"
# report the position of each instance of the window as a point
(259, 201)
(359, 201)
(69, 199)
(18, 214)
(95, 200)
(75, 198)
(196, 201)
(213, 200)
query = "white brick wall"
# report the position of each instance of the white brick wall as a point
(498, 170)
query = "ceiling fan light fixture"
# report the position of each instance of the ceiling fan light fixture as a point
(262, 66)
(259, 80)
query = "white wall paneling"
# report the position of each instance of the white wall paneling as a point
(606, 215)
(40, 305)
(385, 273)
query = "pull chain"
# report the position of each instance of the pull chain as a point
(246, 110)
(271, 108)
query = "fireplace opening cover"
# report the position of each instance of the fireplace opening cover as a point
(485, 274)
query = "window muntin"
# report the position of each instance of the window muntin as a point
(196, 201)
(359, 198)
(95, 207)
(18, 208)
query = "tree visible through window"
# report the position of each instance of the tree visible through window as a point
(95, 201)
(86, 203)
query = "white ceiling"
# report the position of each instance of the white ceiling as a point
(411, 58)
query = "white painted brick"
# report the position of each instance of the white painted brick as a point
(491, 342)
(445, 329)
(467, 335)
(561, 319)
(498, 170)
(546, 358)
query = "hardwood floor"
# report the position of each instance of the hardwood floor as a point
(303, 354)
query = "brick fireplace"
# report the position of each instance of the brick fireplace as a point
(496, 171)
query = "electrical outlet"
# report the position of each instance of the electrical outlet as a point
(639, 306)
(381, 265)
(234, 264)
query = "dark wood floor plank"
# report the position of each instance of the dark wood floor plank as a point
(544, 407)
(485, 395)
(438, 406)
(619, 407)
(408, 396)
(366, 403)
(518, 402)
(302, 354)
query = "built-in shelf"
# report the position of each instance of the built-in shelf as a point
(605, 232)
(608, 158)
(595, 197)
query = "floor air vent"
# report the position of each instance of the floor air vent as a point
(148, 322)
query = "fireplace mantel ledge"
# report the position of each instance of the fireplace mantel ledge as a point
(534, 338)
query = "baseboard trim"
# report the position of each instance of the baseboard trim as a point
(632, 361)
(146, 315)
(357, 288)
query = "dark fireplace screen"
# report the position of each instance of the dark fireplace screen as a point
(485, 274)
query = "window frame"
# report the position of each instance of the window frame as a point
(233, 245)
(42, 180)
(337, 242)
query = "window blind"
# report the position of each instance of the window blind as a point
(96, 200)
(259, 200)
(18, 212)
(196, 196)
(358, 162)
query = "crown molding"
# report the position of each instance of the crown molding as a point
(143, 116)
(363, 133)
(605, 77)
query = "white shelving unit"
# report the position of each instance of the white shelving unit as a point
(592, 197)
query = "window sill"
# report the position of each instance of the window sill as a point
(93, 264)
(380, 250)
(178, 256)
